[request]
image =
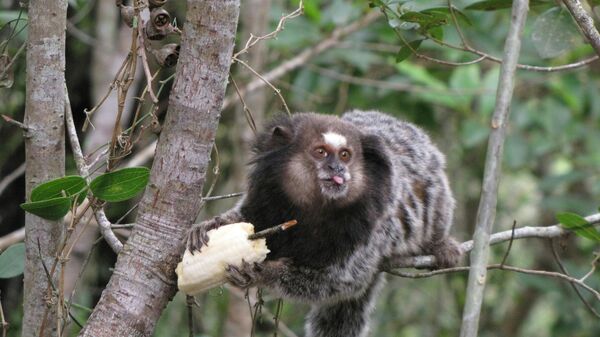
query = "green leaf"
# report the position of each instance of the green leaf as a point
(554, 33)
(436, 33)
(51, 209)
(460, 16)
(408, 50)
(579, 225)
(425, 20)
(492, 5)
(120, 185)
(12, 261)
(70, 185)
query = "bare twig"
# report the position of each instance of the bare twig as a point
(281, 327)
(501, 267)
(510, 243)
(247, 112)
(12, 61)
(573, 285)
(142, 53)
(491, 177)
(267, 82)
(397, 86)
(542, 232)
(255, 39)
(3, 321)
(272, 230)
(11, 177)
(189, 300)
(12, 238)
(225, 196)
(14, 122)
(83, 169)
(305, 55)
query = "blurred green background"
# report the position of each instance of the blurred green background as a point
(551, 156)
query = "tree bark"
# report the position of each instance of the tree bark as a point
(486, 212)
(254, 20)
(45, 153)
(144, 277)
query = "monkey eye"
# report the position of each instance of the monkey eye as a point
(345, 155)
(320, 152)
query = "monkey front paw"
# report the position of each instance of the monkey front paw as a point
(197, 237)
(244, 276)
(257, 274)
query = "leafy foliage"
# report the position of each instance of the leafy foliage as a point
(12, 261)
(53, 199)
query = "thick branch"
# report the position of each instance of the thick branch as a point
(585, 22)
(144, 278)
(487, 206)
(543, 232)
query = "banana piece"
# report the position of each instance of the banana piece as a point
(227, 245)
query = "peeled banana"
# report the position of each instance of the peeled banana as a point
(227, 245)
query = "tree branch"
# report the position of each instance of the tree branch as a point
(487, 206)
(83, 170)
(304, 56)
(542, 232)
(585, 22)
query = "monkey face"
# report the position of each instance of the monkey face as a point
(332, 158)
(328, 170)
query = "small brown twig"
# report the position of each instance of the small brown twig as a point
(267, 82)
(563, 269)
(225, 196)
(247, 112)
(189, 300)
(255, 39)
(510, 242)
(273, 230)
(3, 322)
(142, 53)
(9, 120)
(501, 267)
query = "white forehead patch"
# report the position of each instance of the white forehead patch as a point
(334, 139)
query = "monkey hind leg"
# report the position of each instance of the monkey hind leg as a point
(447, 252)
(347, 318)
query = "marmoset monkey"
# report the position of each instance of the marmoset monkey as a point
(362, 187)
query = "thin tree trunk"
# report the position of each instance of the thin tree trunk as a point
(254, 20)
(486, 212)
(45, 153)
(144, 277)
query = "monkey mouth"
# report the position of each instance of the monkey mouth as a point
(335, 180)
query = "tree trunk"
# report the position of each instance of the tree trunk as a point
(144, 277)
(45, 153)
(254, 20)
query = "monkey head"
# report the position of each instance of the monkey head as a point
(320, 158)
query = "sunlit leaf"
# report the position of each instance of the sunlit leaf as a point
(554, 33)
(579, 225)
(12, 261)
(120, 185)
